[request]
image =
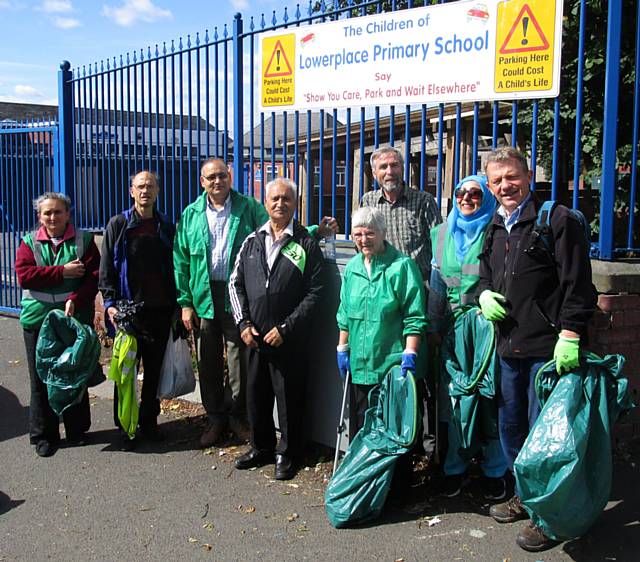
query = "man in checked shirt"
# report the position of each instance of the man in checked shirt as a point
(409, 215)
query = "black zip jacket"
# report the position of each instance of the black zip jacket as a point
(286, 296)
(546, 292)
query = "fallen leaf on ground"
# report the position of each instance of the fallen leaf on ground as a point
(192, 540)
(207, 546)
(250, 509)
(303, 528)
(292, 517)
(208, 526)
(293, 485)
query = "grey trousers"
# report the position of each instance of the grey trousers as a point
(215, 335)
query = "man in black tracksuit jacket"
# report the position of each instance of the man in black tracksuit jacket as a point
(274, 289)
(541, 300)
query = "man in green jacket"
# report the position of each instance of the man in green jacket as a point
(208, 238)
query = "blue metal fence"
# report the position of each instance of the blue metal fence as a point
(28, 167)
(169, 106)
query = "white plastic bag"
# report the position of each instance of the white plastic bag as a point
(176, 374)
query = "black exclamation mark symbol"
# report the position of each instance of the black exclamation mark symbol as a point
(525, 24)
(278, 60)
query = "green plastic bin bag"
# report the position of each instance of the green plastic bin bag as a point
(67, 355)
(360, 486)
(123, 371)
(470, 370)
(564, 470)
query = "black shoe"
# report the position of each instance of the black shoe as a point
(153, 433)
(127, 444)
(453, 485)
(77, 440)
(284, 468)
(45, 448)
(253, 459)
(494, 488)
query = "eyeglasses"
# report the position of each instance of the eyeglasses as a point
(220, 176)
(474, 193)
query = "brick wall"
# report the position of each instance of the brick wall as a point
(616, 329)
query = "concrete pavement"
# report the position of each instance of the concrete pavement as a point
(175, 501)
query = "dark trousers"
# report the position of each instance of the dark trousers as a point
(215, 335)
(44, 423)
(358, 404)
(518, 405)
(156, 321)
(280, 376)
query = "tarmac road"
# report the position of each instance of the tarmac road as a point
(175, 501)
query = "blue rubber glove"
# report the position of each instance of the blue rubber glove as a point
(567, 354)
(343, 363)
(408, 362)
(490, 304)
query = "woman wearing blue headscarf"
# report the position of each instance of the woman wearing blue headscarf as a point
(454, 279)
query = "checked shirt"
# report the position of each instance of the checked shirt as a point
(408, 220)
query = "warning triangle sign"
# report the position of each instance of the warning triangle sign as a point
(525, 34)
(278, 64)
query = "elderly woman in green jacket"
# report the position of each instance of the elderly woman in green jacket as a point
(381, 316)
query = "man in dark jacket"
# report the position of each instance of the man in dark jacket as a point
(137, 265)
(541, 300)
(275, 287)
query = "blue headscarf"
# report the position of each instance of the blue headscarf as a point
(465, 230)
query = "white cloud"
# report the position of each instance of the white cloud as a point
(26, 92)
(56, 6)
(240, 4)
(131, 11)
(66, 23)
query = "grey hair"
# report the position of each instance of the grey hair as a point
(507, 154)
(51, 195)
(385, 150)
(286, 181)
(153, 174)
(369, 217)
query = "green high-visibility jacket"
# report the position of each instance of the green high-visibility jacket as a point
(380, 311)
(123, 371)
(191, 248)
(452, 283)
(35, 305)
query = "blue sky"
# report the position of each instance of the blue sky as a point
(38, 34)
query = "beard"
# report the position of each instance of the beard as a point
(392, 185)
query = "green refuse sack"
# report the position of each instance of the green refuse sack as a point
(123, 371)
(564, 470)
(470, 370)
(359, 487)
(67, 355)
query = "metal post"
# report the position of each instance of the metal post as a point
(238, 104)
(609, 163)
(64, 157)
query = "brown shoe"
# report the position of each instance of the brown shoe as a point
(212, 434)
(240, 428)
(532, 539)
(509, 511)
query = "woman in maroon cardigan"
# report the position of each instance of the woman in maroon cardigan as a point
(57, 267)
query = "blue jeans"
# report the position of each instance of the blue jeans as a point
(518, 406)
(493, 463)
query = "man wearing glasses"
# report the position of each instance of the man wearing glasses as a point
(209, 236)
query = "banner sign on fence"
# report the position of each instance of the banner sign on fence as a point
(460, 51)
